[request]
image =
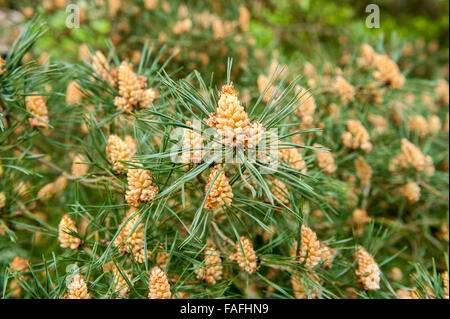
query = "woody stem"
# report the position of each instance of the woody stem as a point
(222, 235)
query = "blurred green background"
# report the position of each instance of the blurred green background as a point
(290, 24)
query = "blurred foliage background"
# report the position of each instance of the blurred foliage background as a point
(290, 26)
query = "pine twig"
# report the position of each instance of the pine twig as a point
(222, 235)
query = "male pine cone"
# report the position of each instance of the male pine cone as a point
(245, 257)
(158, 285)
(220, 193)
(66, 226)
(77, 289)
(212, 270)
(140, 187)
(368, 271)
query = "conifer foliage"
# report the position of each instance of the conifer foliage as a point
(193, 161)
